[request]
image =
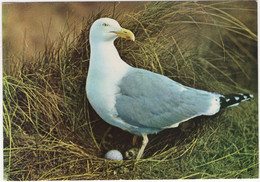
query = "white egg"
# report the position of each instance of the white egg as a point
(114, 154)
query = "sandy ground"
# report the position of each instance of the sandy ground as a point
(27, 25)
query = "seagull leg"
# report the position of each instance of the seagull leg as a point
(134, 140)
(141, 151)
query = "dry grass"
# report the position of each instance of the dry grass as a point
(52, 133)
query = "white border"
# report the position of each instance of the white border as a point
(1, 91)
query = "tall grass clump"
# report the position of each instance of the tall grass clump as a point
(52, 133)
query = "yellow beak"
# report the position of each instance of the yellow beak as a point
(127, 34)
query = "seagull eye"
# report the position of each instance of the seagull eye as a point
(105, 25)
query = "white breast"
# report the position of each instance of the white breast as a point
(104, 74)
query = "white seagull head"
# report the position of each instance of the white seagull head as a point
(107, 29)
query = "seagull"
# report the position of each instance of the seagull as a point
(137, 100)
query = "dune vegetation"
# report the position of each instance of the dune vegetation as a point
(52, 133)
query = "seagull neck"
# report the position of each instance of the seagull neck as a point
(105, 50)
(106, 66)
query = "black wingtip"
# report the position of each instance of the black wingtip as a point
(231, 100)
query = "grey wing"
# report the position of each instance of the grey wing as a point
(147, 99)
